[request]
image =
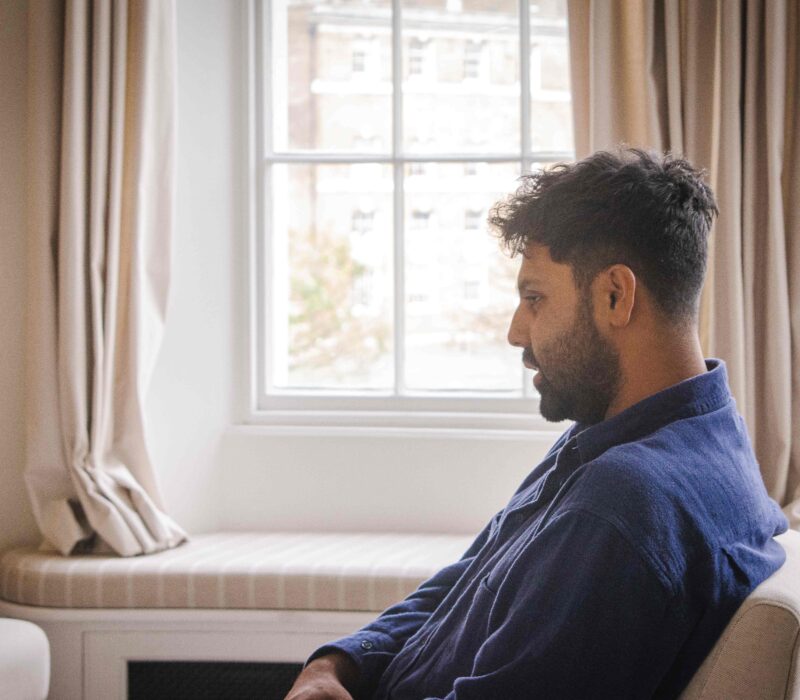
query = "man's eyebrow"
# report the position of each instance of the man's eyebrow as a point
(528, 282)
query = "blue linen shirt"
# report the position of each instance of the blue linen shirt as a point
(611, 572)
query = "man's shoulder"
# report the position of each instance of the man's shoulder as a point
(665, 480)
(680, 493)
(675, 458)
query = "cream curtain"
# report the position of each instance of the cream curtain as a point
(101, 160)
(718, 81)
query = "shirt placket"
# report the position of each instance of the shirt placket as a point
(567, 461)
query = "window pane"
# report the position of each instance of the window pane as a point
(551, 105)
(332, 242)
(333, 78)
(461, 76)
(460, 288)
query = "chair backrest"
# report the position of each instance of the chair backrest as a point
(758, 655)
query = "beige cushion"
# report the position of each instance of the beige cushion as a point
(757, 656)
(299, 571)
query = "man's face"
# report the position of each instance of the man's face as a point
(577, 369)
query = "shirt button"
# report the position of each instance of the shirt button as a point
(366, 645)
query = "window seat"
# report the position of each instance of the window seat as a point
(237, 570)
(222, 597)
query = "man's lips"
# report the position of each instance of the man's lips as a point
(528, 361)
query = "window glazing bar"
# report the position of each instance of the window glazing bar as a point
(346, 158)
(525, 84)
(263, 237)
(399, 201)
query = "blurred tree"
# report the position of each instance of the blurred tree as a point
(488, 324)
(325, 332)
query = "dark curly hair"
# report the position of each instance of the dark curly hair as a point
(649, 211)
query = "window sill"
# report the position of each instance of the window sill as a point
(402, 424)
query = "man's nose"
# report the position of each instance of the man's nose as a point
(516, 336)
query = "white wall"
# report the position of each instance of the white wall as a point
(382, 483)
(16, 519)
(191, 399)
(217, 475)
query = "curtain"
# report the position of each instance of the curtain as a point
(100, 213)
(717, 81)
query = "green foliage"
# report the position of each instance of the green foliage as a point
(324, 330)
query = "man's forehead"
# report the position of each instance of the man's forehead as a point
(536, 263)
(536, 254)
(538, 268)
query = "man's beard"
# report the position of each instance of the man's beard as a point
(581, 373)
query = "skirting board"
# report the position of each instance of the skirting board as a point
(90, 648)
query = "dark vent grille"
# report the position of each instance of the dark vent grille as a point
(204, 680)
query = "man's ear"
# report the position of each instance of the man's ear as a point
(614, 295)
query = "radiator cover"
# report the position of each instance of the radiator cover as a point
(209, 680)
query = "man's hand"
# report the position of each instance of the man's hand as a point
(325, 678)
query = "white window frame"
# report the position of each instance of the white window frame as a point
(495, 413)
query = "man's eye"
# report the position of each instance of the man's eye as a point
(533, 298)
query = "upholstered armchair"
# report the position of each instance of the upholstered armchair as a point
(24, 661)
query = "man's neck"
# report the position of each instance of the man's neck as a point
(654, 367)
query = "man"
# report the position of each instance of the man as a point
(616, 565)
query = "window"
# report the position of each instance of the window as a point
(472, 289)
(473, 219)
(416, 167)
(362, 56)
(420, 219)
(375, 288)
(362, 222)
(473, 57)
(364, 143)
(363, 294)
(418, 57)
(359, 59)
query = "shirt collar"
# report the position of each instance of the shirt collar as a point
(700, 394)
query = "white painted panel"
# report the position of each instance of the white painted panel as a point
(191, 395)
(382, 483)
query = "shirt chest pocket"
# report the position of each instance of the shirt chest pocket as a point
(483, 612)
(467, 625)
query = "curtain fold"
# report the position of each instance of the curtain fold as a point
(717, 81)
(100, 203)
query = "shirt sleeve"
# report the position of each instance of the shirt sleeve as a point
(581, 613)
(374, 646)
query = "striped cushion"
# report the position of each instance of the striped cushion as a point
(285, 571)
